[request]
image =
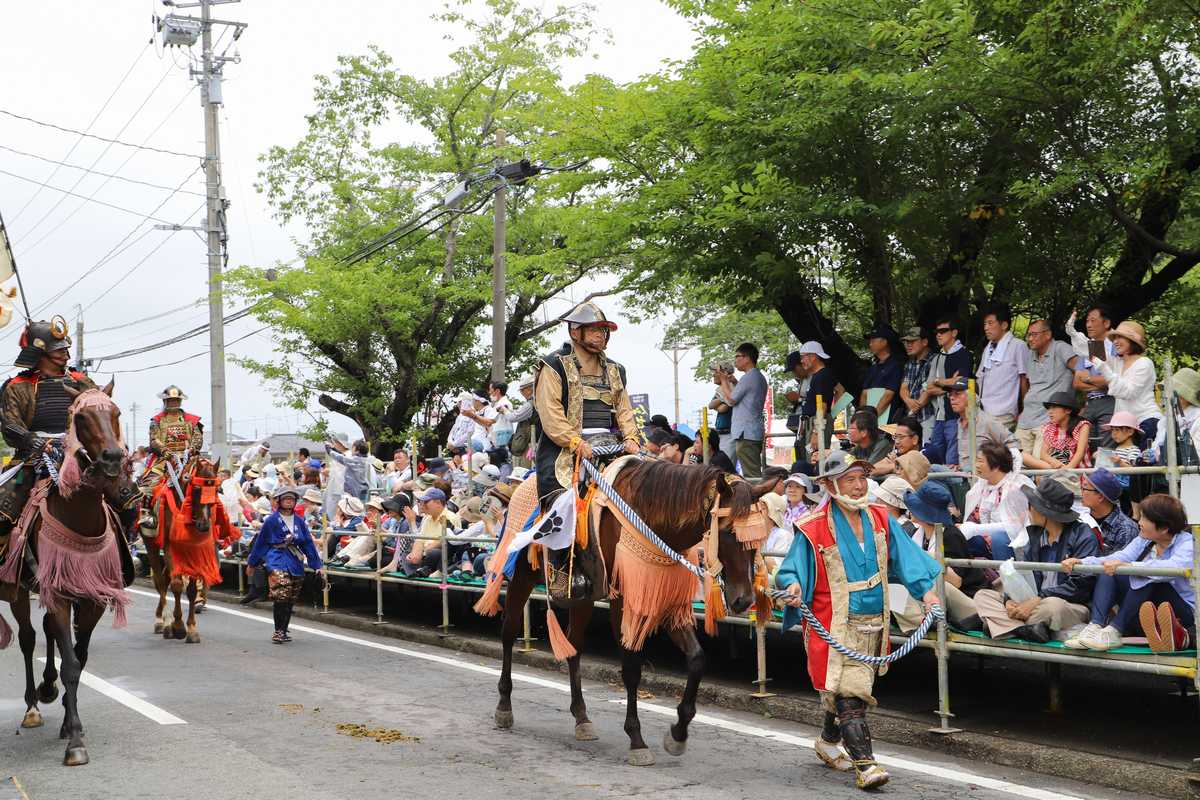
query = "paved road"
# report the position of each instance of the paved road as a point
(238, 716)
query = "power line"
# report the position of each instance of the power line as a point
(111, 254)
(130, 271)
(193, 304)
(186, 358)
(83, 197)
(95, 172)
(97, 160)
(120, 83)
(47, 234)
(234, 317)
(100, 138)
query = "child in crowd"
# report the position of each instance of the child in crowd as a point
(282, 546)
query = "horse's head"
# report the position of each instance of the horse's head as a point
(742, 529)
(203, 486)
(94, 451)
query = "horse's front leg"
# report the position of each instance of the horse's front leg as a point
(177, 630)
(193, 635)
(519, 589)
(631, 675)
(27, 637)
(585, 731)
(675, 740)
(72, 729)
(158, 574)
(48, 690)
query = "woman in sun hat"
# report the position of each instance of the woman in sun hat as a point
(1130, 377)
(1186, 384)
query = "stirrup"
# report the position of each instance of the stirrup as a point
(832, 755)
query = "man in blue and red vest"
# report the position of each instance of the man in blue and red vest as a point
(840, 566)
(33, 408)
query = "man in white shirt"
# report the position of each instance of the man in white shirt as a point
(1001, 373)
(1100, 404)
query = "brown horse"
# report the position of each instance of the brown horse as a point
(676, 502)
(76, 542)
(198, 480)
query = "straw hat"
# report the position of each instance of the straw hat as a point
(470, 511)
(913, 466)
(776, 508)
(312, 496)
(1187, 385)
(351, 506)
(892, 491)
(375, 503)
(1133, 331)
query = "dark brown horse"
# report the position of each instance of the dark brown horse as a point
(197, 476)
(77, 541)
(676, 502)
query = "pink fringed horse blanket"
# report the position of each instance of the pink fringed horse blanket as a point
(70, 566)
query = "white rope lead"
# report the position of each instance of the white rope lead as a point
(904, 649)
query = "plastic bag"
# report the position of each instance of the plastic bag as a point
(1017, 587)
(502, 431)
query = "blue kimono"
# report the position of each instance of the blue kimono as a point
(907, 564)
(276, 547)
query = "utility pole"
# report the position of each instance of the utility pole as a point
(182, 30)
(498, 270)
(133, 409)
(676, 356)
(79, 338)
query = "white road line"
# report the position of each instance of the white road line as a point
(933, 770)
(148, 710)
(948, 773)
(387, 648)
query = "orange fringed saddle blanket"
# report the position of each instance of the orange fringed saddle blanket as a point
(193, 553)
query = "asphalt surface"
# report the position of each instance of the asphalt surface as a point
(238, 716)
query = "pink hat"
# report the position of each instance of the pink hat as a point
(1121, 419)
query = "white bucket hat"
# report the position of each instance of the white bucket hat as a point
(813, 347)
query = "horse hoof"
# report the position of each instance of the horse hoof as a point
(159, 627)
(673, 747)
(179, 634)
(585, 732)
(641, 757)
(33, 719)
(193, 638)
(47, 693)
(75, 757)
(199, 608)
(504, 719)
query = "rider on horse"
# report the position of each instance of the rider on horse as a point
(34, 402)
(580, 401)
(175, 435)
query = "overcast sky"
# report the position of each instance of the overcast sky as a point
(91, 66)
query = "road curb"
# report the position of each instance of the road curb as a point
(1116, 773)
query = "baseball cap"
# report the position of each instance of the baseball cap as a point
(960, 385)
(813, 348)
(433, 494)
(913, 334)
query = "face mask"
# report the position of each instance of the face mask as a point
(849, 503)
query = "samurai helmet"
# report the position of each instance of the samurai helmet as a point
(587, 314)
(172, 392)
(40, 338)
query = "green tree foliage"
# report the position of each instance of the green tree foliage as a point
(881, 161)
(382, 339)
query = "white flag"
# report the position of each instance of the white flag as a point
(554, 530)
(7, 298)
(7, 268)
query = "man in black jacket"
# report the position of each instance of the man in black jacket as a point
(1061, 600)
